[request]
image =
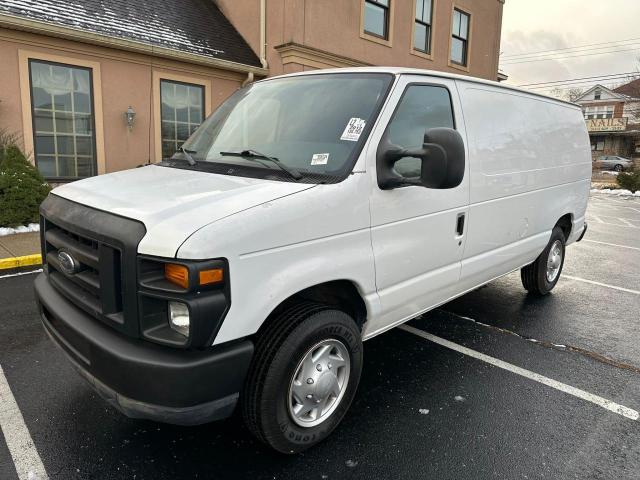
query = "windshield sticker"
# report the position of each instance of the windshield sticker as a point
(319, 159)
(353, 130)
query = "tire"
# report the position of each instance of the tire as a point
(267, 400)
(536, 277)
(618, 168)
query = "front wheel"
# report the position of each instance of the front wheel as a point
(618, 168)
(542, 275)
(304, 376)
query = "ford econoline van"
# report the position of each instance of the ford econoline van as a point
(310, 212)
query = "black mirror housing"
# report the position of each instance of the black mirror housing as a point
(442, 156)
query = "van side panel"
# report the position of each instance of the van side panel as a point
(530, 164)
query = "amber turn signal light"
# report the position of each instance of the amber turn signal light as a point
(209, 277)
(177, 274)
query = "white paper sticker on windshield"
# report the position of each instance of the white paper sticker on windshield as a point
(353, 130)
(319, 159)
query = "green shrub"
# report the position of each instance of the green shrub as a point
(629, 180)
(22, 188)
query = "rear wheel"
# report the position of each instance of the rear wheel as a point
(303, 378)
(542, 275)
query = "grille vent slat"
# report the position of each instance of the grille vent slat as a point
(96, 285)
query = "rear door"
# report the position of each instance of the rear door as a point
(418, 234)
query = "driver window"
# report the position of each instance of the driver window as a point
(421, 107)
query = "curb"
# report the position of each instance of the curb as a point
(18, 262)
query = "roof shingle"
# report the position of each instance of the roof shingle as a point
(192, 26)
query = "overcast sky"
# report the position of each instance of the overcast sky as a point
(531, 26)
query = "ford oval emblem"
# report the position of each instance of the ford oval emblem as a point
(68, 264)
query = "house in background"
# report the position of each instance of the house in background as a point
(613, 120)
(96, 86)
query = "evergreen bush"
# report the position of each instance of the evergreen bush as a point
(630, 180)
(22, 188)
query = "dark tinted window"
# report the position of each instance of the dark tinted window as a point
(376, 18)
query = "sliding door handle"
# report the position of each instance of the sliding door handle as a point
(460, 225)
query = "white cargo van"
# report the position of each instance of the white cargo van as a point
(310, 212)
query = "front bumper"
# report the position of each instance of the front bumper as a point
(141, 379)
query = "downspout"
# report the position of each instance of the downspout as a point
(248, 80)
(263, 33)
(263, 41)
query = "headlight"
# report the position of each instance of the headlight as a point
(179, 318)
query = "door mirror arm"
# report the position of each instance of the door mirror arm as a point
(396, 153)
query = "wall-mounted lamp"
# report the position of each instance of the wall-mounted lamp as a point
(130, 116)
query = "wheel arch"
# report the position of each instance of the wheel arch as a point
(343, 294)
(566, 224)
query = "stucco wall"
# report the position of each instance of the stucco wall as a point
(335, 26)
(126, 79)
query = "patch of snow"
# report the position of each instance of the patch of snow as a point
(459, 398)
(351, 463)
(32, 227)
(618, 192)
(150, 30)
(424, 411)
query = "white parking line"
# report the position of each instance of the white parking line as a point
(626, 222)
(21, 273)
(622, 289)
(601, 222)
(536, 377)
(610, 244)
(16, 435)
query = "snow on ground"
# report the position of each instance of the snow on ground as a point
(618, 192)
(32, 227)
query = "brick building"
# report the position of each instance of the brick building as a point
(613, 119)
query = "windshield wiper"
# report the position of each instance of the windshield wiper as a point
(187, 154)
(253, 154)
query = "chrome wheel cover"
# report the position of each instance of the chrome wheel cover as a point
(554, 261)
(319, 383)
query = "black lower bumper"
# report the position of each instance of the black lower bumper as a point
(141, 379)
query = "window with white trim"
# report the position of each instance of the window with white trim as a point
(601, 111)
(63, 120)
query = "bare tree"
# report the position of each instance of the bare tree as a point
(569, 94)
(574, 94)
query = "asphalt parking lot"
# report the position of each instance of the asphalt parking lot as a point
(526, 388)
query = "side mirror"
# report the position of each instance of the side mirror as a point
(442, 159)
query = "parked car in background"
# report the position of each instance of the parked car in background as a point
(612, 162)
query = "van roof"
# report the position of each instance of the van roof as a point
(431, 73)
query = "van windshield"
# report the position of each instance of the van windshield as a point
(314, 125)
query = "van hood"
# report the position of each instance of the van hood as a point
(173, 203)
